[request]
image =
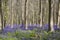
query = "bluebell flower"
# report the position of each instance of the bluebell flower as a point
(8, 29)
(21, 25)
(36, 25)
(8, 26)
(22, 28)
(30, 28)
(55, 27)
(30, 25)
(15, 26)
(45, 27)
(33, 26)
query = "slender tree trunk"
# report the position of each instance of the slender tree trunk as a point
(41, 14)
(59, 16)
(39, 10)
(25, 21)
(1, 14)
(49, 14)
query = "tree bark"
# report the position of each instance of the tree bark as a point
(49, 14)
(1, 14)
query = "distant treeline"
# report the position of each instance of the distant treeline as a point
(29, 12)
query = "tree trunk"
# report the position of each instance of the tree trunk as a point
(1, 14)
(49, 14)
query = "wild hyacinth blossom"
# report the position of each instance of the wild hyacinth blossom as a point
(56, 27)
(7, 29)
(21, 26)
(15, 26)
(32, 26)
(45, 27)
(36, 25)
